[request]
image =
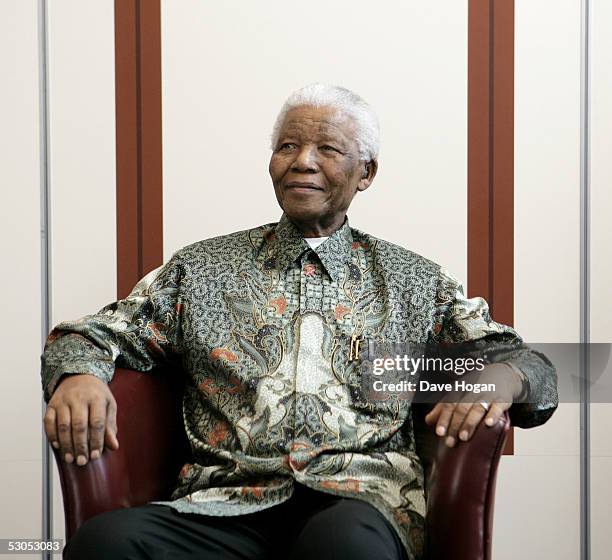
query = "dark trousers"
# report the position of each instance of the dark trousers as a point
(310, 525)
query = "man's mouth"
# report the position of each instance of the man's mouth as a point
(296, 185)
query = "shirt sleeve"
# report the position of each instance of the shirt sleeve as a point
(459, 319)
(138, 332)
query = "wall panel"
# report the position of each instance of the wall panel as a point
(82, 164)
(227, 68)
(540, 484)
(534, 503)
(601, 266)
(20, 330)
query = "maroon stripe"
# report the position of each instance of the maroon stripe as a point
(491, 158)
(502, 172)
(138, 140)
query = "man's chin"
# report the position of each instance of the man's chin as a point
(303, 214)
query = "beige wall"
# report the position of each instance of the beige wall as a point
(227, 68)
(20, 330)
(601, 267)
(82, 183)
(538, 494)
(82, 163)
(547, 268)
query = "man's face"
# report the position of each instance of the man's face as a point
(315, 168)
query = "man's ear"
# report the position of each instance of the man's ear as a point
(369, 172)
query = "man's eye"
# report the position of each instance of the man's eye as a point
(286, 146)
(328, 148)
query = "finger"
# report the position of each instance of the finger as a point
(50, 422)
(496, 411)
(111, 426)
(459, 414)
(446, 412)
(97, 425)
(474, 417)
(80, 430)
(64, 430)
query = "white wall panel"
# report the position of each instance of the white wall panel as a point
(601, 172)
(82, 126)
(547, 170)
(547, 189)
(20, 330)
(601, 265)
(82, 163)
(228, 67)
(559, 436)
(535, 501)
(601, 536)
(20, 515)
(538, 488)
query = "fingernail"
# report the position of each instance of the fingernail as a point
(55, 444)
(81, 460)
(440, 430)
(489, 421)
(450, 441)
(95, 454)
(463, 435)
(69, 458)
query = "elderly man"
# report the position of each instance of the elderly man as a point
(290, 457)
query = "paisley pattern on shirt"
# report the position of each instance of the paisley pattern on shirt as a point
(262, 325)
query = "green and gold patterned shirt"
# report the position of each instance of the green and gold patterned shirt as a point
(263, 324)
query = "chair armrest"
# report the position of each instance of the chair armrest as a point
(152, 449)
(460, 489)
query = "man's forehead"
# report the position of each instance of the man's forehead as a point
(323, 121)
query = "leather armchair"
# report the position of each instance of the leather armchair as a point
(460, 481)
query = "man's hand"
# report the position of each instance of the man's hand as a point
(81, 418)
(457, 416)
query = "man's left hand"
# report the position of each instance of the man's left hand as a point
(457, 416)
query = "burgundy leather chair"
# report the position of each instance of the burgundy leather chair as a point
(460, 481)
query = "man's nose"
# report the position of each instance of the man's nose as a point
(306, 159)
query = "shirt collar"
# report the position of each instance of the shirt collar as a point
(333, 253)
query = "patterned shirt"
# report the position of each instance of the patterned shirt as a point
(263, 326)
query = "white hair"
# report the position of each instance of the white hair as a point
(345, 102)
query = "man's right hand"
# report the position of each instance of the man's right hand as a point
(81, 418)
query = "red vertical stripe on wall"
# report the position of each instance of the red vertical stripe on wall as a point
(138, 140)
(491, 158)
(502, 172)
